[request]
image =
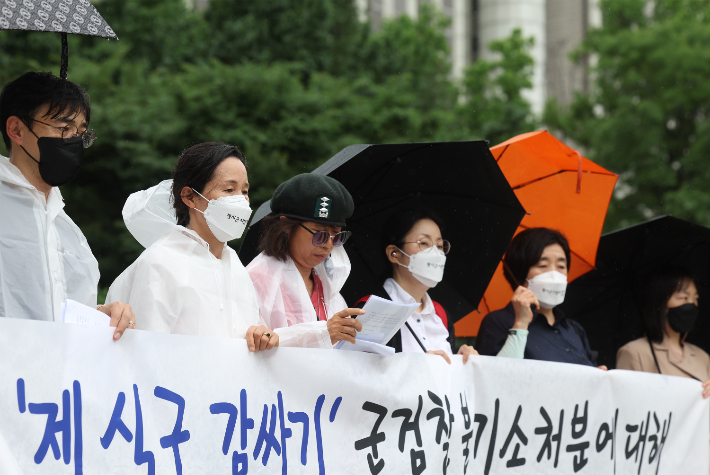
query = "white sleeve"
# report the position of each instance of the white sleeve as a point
(152, 293)
(305, 335)
(514, 346)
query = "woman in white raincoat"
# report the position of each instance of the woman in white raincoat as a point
(302, 265)
(188, 281)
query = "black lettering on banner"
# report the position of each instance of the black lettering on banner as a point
(465, 439)
(657, 446)
(418, 457)
(515, 461)
(549, 437)
(464, 411)
(418, 461)
(579, 460)
(640, 445)
(374, 438)
(492, 440)
(441, 425)
(609, 435)
(467, 425)
(481, 420)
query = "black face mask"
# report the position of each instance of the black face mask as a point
(59, 161)
(682, 319)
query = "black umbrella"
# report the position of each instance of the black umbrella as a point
(459, 180)
(78, 17)
(606, 301)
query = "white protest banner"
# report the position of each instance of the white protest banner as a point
(73, 401)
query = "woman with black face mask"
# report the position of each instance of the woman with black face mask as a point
(669, 313)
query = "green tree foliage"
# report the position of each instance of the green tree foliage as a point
(292, 83)
(495, 106)
(320, 35)
(647, 117)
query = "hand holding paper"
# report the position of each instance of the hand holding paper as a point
(80, 314)
(382, 319)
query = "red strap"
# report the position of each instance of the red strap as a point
(363, 300)
(317, 298)
(441, 313)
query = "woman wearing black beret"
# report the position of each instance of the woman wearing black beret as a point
(302, 265)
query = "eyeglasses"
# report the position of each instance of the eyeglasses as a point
(321, 237)
(70, 132)
(426, 245)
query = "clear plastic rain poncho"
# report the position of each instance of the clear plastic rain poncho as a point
(284, 300)
(44, 257)
(177, 285)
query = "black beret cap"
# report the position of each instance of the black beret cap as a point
(313, 197)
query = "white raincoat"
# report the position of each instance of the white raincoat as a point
(284, 300)
(177, 285)
(44, 257)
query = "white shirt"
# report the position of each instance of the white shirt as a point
(178, 286)
(44, 257)
(427, 324)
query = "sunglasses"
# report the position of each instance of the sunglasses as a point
(321, 237)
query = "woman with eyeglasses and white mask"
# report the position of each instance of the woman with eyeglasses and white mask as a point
(415, 255)
(302, 265)
(188, 281)
(531, 326)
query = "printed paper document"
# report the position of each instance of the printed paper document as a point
(382, 319)
(80, 314)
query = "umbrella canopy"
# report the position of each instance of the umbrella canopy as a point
(560, 189)
(606, 300)
(459, 180)
(78, 17)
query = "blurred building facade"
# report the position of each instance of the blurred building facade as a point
(557, 26)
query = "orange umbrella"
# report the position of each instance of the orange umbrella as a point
(560, 189)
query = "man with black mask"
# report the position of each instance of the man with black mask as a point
(44, 257)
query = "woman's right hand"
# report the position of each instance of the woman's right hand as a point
(522, 299)
(342, 327)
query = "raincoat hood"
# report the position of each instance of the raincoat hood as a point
(149, 214)
(176, 284)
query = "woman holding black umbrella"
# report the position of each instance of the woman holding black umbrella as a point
(415, 255)
(670, 309)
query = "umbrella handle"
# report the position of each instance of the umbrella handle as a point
(65, 57)
(579, 172)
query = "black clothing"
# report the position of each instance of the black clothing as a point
(564, 342)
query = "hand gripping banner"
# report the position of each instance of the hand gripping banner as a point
(73, 401)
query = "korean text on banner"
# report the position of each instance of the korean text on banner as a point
(73, 401)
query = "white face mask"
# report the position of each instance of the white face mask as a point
(227, 217)
(426, 266)
(549, 288)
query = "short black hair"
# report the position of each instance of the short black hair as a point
(399, 224)
(26, 95)
(525, 250)
(195, 168)
(660, 286)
